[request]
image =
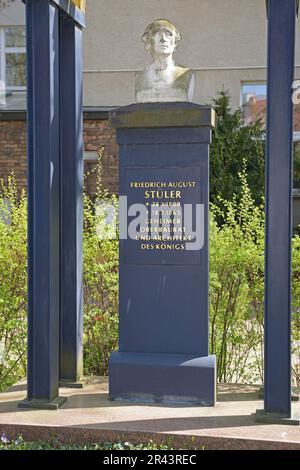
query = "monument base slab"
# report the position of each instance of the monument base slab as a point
(163, 378)
(295, 394)
(65, 383)
(277, 418)
(43, 404)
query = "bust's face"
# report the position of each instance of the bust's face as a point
(163, 42)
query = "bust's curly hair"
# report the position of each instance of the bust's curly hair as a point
(155, 26)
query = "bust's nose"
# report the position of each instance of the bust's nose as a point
(163, 37)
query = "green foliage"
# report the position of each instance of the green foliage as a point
(13, 283)
(101, 261)
(236, 287)
(100, 287)
(55, 444)
(296, 310)
(233, 144)
(296, 165)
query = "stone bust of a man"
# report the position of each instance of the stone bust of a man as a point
(162, 80)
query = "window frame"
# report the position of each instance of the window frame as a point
(9, 50)
(296, 134)
(249, 82)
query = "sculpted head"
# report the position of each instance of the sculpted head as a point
(161, 37)
(163, 80)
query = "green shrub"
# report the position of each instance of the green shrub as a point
(13, 283)
(100, 295)
(235, 146)
(296, 310)
(100, 288)
(236, 287)
(101, 269)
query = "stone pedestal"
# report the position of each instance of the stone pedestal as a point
(163, 335)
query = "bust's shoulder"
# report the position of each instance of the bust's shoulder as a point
(180, 70)
(145, 71)
(144, 78)
(177, 85)
(183, 74)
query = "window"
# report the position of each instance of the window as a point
(12, 67)
(253, 101)
(296, 166)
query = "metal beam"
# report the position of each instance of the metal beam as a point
(297, 6)
(71, 143)
(281, 49)
(43, 204)
(71, 8)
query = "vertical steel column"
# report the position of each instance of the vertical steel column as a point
(43, 204)
(71, 126)
(281, 46)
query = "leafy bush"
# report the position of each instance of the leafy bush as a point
(13, 283)
(235, 146)
(100, 288)
(237, 290)
(296, 310)
(101, 265)
(236, 286)
(100, 294)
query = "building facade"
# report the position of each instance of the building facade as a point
(223, 41)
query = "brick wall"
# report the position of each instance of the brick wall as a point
(97, 134)
(13, 150)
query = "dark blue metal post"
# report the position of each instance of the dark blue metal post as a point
(281, 46)
(43, 204)
(54, 116)
(71, 303)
